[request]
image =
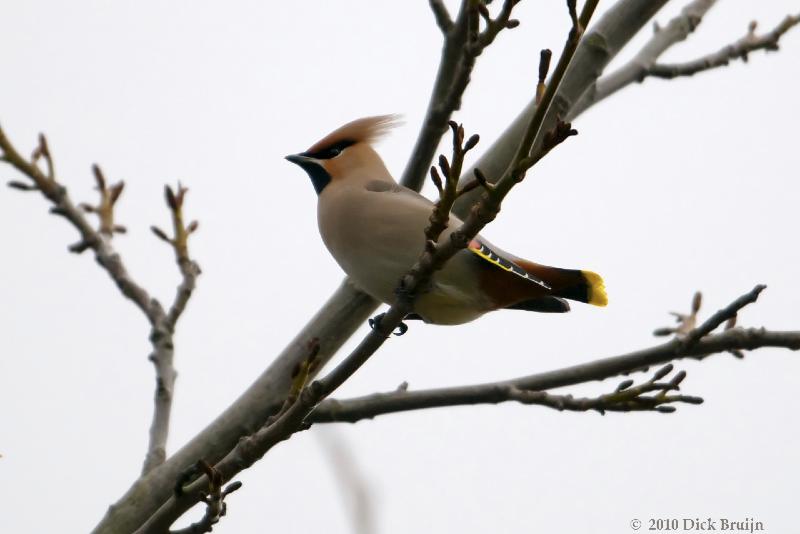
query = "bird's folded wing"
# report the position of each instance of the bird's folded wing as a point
(483, 251)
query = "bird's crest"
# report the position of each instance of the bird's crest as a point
(364, 130)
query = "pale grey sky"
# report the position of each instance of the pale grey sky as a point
(669, 188)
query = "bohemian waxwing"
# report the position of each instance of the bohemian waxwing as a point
(374, 228)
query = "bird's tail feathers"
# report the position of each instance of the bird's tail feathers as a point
(572, 284)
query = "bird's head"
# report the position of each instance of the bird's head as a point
(346, 153)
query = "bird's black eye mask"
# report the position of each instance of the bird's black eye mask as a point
(331, 151)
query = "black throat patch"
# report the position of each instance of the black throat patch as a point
(319, 176)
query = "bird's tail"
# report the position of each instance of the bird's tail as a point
(572, 284)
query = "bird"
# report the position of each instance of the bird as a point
(374, 229)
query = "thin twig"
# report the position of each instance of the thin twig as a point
(180, 244)
(645, 63)
(741, 49)
(723, 315)
(606, 38)
(441, 15)
(105, 254)
(163, 357)
(686, 322)
(463, 43)
(162, 323)
(105, 207)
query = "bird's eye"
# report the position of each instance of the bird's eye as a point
(330, 152)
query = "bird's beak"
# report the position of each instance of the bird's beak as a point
(299, 159)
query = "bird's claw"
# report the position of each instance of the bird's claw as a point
(375, 323)
(402, 328)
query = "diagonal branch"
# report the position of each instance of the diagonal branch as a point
(602, 43)
(291, 417)
(463, 43)
(677, 30)
(347, 309)
(645, 63)
(214, 499)
(741, 49)
(162, 323)
(90, 238)
(728, 312)
(442, 16)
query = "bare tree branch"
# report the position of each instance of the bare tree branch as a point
(291, 417)
(348, 308)
(214, 499)
(442, 16)
(725, 314)
(677, 30)
(369, 406)
(463, 43)
(625, 398)
(162, 323)
(105, 254)
(108, 198)
(732, 339)
(180, 244)
(738, 50)
(602, 43)
(162, 331)
(645, 64)
(686, 323)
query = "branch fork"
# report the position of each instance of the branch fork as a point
(688, 333)
(162, 323)
(213, 497)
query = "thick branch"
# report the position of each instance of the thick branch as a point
(677, 30)
(347, 309)
(291, 418)
(600, 45)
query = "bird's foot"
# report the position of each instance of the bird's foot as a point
(375, 323)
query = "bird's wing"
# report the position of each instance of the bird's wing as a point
(477, 246)
(484, 251)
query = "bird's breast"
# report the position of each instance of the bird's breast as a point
(376, 237)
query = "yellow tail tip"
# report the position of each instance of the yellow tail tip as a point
(597, 288)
